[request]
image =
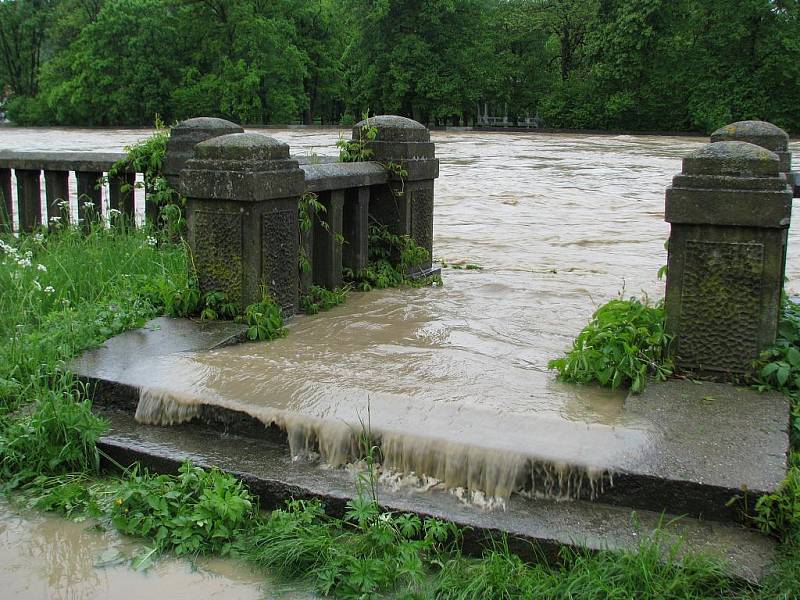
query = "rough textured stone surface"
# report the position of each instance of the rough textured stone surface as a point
(731, 158)
(339, 176)
(761, 133)
(186, 135)
(392, 128)
(59, 161)
(242, 194)
(406, 143)
(246, 167)
(729, 212)
(265, 466)
(327, 259)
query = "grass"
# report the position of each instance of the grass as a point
(62, 293)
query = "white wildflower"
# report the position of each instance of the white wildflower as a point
(24, 262)
(41, 268)
(88, 204)
(113, 212)
(38, 238)
(65, 302)
(151, 241)
(55, 219)
(37, 285)
(49, 289)
(63, 203)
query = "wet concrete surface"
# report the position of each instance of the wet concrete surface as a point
(45, 557)
(274, 476)
(686, 447)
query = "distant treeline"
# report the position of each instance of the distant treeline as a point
(599, 64)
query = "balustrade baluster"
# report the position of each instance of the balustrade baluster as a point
(56, 189)
(29, 198)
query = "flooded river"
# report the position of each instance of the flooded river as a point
(558, 223)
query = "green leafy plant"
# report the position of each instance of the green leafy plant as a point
(623, 345)
(319, 298)
(148, 157)
(217, 305)
(357, 150)
(196, 512)
(392, 258)
(57, 437)
(264, 319)
(779, 513)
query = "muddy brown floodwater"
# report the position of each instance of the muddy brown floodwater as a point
(456, 378)
(45, 557)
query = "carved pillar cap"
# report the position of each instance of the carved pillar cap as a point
(247, 167)
(186, 134)
(733, 159)
(404, 141)
(760, 133)
(392, 128)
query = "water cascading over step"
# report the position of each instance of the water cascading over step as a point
(489, 472)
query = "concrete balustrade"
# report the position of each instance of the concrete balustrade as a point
(55, 168)
(729, 211)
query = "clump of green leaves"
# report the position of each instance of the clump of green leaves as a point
(264, 320)
(392, 259)
(196, 512)
(57, 436)
(319, 298)
(357, 150)
(779, 513)
(364, 554)
(623, 345)
(148, 157)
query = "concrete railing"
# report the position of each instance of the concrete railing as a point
(88, 167)
(243, 194)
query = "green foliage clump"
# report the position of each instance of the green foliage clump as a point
(366, 553)
(56, 436)
(358, 150)
(319, 298)
(392, 259)
(644, 572)
(196, 512)
(779, 513)
(148, 157)
(264, 320)
(623, 345)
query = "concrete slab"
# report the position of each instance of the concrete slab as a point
(265, 466)
(681, 447)
(159, 337)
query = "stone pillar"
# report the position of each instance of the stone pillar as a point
(56, 190)
(405, 205)
(242, 193)
(769, 136)
(185, 136)
(29, 198)
(6, 202)
(728, 210)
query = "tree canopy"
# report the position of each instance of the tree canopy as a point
(606, 64)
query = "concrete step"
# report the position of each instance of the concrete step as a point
(697, 445)
(271, 474)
